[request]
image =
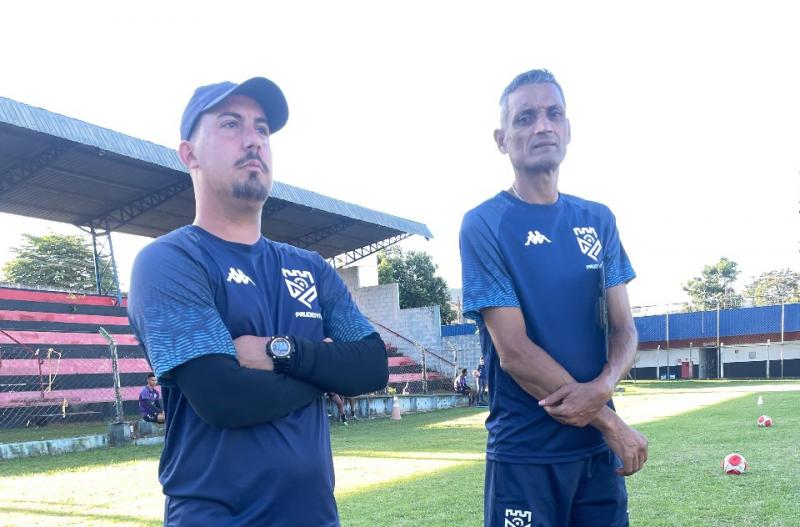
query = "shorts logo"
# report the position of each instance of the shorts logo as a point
(518, 518)
(236, 275)
(588, 242)
(301, 285)
(535, 238)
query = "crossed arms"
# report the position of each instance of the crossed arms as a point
(567, 401)
(236, 392)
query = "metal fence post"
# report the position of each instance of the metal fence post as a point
(667, 324)
(112, 348)
(767, 358)
(783, 312)
(720, 369)
(424, 354)
(658, 362)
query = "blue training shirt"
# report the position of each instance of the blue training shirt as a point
(549, 261)
(191, 295)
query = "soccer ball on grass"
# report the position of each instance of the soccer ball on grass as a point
(734, 464)
(764, 421)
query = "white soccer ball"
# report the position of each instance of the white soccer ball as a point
(734, 464)
(764, 421)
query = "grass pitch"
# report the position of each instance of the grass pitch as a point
(427, 469)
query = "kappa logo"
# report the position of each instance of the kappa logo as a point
(238, 276)
(535, 238)
(588, 242)
(518, 518)
(301, 285)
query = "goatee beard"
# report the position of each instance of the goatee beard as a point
(251, 190)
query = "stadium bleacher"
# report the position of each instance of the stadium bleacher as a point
(54, 364)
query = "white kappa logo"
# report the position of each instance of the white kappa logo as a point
(588, 242)
(301, 285)
(238, 276)
(518, 518)
(535, 238)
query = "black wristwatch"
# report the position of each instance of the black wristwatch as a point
(281, 350)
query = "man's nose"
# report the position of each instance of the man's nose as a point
(251, 138)
(543, 126)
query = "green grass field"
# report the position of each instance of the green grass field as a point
(427, 469)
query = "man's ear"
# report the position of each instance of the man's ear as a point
(186, 153)
(499, 138)
(569, 131)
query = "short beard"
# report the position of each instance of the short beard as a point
(251, 190)
(542, 166)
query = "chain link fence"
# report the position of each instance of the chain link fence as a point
(66, 358)
(47, 385)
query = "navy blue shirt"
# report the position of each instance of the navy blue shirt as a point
(554, 263)
(191, 295)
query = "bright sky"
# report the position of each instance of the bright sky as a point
(684, 115)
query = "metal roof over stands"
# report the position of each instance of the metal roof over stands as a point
(62, 169)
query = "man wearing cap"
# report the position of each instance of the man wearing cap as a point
(216, 304)
(545, 273)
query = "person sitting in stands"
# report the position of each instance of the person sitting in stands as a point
(150, 402)
(460, 386)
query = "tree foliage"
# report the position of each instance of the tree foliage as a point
(55, 260)
(415, 274)
(714, 286)
(774, 287)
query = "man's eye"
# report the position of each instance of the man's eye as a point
(230, 124)
(523, 119)
(263, 130)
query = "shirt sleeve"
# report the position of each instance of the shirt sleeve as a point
(484, 277)
(172, 309)
(341, 318)
(618, 268)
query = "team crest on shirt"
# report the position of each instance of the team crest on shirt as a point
(301, 285)
(588, 241)
(518, 518)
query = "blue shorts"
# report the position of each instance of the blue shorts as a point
(584, 493)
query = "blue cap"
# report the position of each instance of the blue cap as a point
(263, 91)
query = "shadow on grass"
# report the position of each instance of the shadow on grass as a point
(452, 496)
(91, 518)
(443, 431)
(654, 386)
(101, 458)
(53, 431)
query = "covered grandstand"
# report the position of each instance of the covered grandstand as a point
(53, 361)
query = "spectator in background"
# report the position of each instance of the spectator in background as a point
(150, 402)
(352, 401)
(480, 376)
(337, 400)
(460, 386)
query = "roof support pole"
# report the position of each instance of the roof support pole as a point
(105, 263)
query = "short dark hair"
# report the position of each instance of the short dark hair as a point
(463, 370)
(539, 76)
(150, 375)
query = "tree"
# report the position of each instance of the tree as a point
(415, 273)
(714, 287)
(774, 287)
(56, 260)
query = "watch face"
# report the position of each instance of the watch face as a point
(280, 347)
